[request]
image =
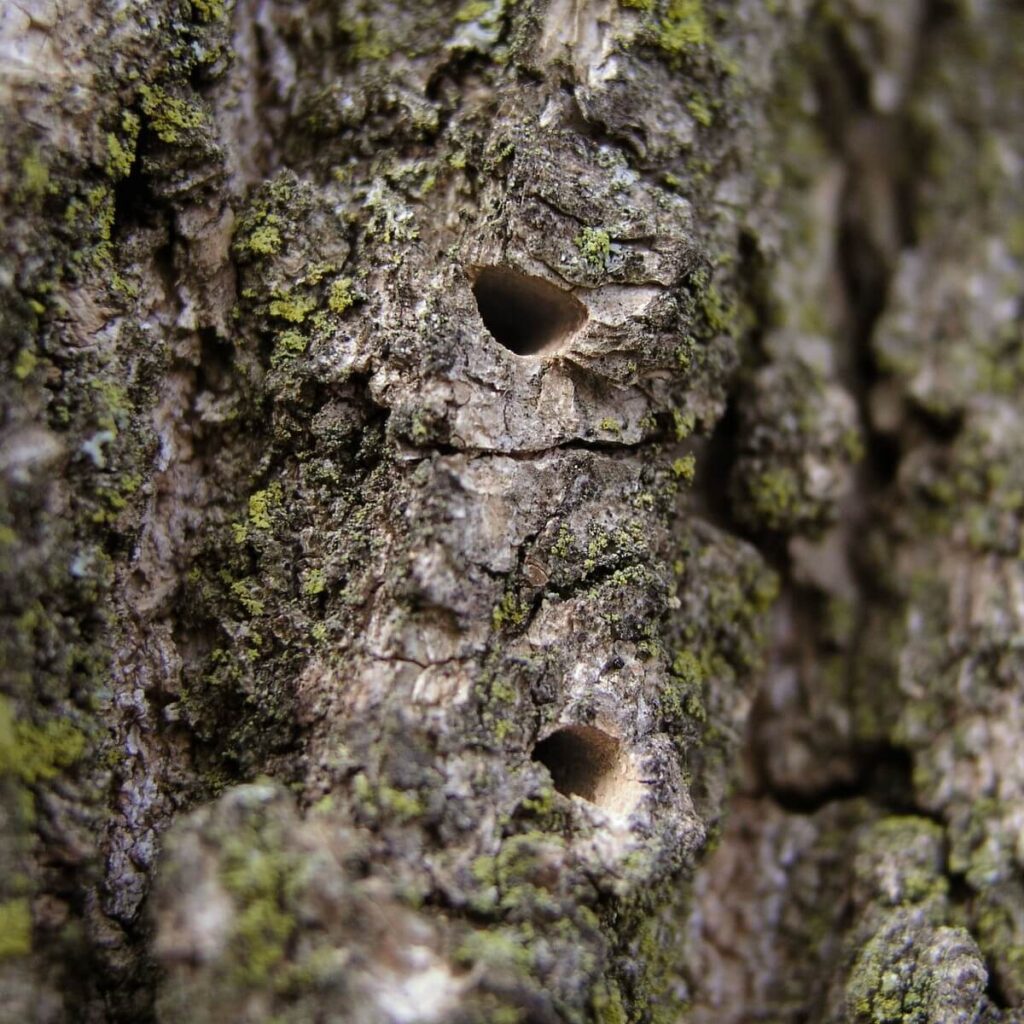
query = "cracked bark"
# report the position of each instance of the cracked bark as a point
(511, 511)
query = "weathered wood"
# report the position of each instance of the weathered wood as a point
(511, 511)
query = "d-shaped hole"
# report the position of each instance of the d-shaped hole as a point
(590, 763)
(526, 314)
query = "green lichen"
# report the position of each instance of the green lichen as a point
(683, 28)
(657, 943)
(113, 406)
(701, 112)
(15, 929)
(510, 612)
(207, 11)
(495, 949)
(25, 363)
(894, 981)
(121, 148)
(265, 240)
(379, 799)
(502, 691)
(595, 246)
(244, 591)
(687, 353)
(366, 41)
(90, 218)
(35, 177)
(683, 424)
(170, 117)
(341, 296)
(289, 345)
(115, 498)
(523, 873)
(775, 495)
(722, 317)
(391, 220)
(261, 879)
(683, 698)
(995, 921)
(564, 543)
(606, 1003)
(314, 583)
(262, 503)
(34, 753)
(473, 10)
(685, 468)
(293, 308)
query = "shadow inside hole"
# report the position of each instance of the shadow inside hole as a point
(527, 315)
(585, 762)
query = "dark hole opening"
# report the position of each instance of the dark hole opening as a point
(525, 314)
(579, 758)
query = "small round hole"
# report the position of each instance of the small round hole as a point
(589, 763)
(527, 315)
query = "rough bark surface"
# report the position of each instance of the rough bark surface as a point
(511, 511)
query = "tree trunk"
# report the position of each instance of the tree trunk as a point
(510, 511)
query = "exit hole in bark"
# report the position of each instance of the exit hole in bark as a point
(589, 763)
(530, 317)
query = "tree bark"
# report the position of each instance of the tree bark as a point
(510, 511)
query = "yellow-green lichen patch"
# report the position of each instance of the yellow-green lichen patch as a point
(245, 592)
(683, 697)
(607, 1004)
(683, 424)
(684, 468)
(90, 219)
(595, 246)
(293, 308)
(995, 920)
(701, 112)
(314, 583)
(341, 295)
(473, 10)
(35, 177)
(260, 878)
(379, 800)
(564, 543)
(15, 929)
(262, 503)
(170, 117)
(683, 28)
(722, 317)
(774, 494)
(25, 363)
(121, 147)
(33, 752)
(366, 41)
(289, 345)
(510, 612)
(207, 11)
(265, 240)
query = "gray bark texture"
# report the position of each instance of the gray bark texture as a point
(511, 511)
